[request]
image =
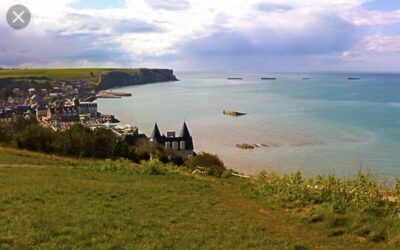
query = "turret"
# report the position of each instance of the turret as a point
(156, 135)
(185, 134)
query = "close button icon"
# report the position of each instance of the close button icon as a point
(18, 16)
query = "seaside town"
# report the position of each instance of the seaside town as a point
(69, 102)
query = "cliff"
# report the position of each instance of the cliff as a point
(120, 78)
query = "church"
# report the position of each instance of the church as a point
(182, 144)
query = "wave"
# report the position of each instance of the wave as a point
(395, 104)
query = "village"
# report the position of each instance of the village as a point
(66, 103)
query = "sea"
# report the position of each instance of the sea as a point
(316, 123)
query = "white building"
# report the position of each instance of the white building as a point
(87, 108)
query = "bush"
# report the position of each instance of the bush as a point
(361, 192)
(227, 173)
(105, 142)
(177, 160)
(35, 138)
(209, 163)
(9, 129)
(153, 167)
(120, 165)
(76, 141)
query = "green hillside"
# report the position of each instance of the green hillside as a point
(109, 77)
(50, 202)
(89, 74)
(50, 73)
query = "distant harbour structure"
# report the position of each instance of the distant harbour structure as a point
(232, 113)
(181, 145)
(268, 78)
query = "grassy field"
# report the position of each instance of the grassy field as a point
(50, 202)
(66, 74)
(51, 73)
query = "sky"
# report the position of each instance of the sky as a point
(206, 35)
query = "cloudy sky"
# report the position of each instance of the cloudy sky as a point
(270, 35)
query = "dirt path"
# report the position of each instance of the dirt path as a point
(22, 166)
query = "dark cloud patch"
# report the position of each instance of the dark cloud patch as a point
(321, 37)
(172, 5)
(30, 47)
(325, 35)
(109, 53)
(136, 26)
(271, 7)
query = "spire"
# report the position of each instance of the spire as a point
(156, 135)
(185, 134)
(185, 131)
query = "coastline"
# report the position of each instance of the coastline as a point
(313, 135)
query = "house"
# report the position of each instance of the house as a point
(86, 108)
(55, 94)
(41, 111)
(4, 116)
(31, 91)
(23, 109)
(63, 114)
(182, 144)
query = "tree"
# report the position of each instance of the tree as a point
(35, 138)
(77, 141)
(105, 142)
(5, 93)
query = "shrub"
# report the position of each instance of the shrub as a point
(208, 162)
(34, 138)
(143, 151)
(120, 165)
(177, 160)
(397, 187)
(153, 167)
(227, 173)
(377, 236)
(9, 129)
(76, 141)
(105, 142)
(361, 192)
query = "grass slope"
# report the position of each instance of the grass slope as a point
(51, 73)
(88, 74)
(61, 203)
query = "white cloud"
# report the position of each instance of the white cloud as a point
(155, 29)
(369, 18)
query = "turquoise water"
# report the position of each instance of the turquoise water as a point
(326, 124)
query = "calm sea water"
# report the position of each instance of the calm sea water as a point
(324, 125)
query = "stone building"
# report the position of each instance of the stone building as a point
(182, 144)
